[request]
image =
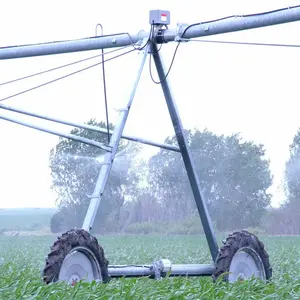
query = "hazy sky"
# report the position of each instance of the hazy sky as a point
(226, 88)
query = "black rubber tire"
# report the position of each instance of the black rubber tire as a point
(232, 244)
(64, 244)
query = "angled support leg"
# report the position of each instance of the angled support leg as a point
(109, 157)
(186, 155)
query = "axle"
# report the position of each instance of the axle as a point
(160, 269)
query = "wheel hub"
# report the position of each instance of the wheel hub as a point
(79, 264)
(245, 264)
(74, 279)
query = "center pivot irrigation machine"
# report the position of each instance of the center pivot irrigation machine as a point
(76, 255)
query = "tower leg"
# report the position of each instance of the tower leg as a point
(109, 156)
(186, 155)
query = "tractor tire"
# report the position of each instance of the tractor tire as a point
(64, 245)
(235, 242)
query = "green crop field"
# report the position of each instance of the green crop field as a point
(22, 259)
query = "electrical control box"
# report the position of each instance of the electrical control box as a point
(159, 17)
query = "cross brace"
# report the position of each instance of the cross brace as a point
(73, 124)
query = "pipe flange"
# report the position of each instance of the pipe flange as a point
(179, 32)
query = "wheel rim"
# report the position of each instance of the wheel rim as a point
(79, 264)
(246, 264)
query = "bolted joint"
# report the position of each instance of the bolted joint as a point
(161, 268)
(179, 32)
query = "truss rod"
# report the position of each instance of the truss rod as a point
(57, 133)
(223, 25)
(89, 127)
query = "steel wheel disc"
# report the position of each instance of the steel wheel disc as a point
(79, 264)
(245, 264)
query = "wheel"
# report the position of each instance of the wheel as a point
(242, 257)
(76, 255)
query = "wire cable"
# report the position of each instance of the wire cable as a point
(169, 70)
(104, 86)
(244, 43)
(65, 76)
(170, 67)
(105, 97)
(60, 67)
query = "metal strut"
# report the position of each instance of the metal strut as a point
(109, 157)
(74, 124)
(57, 133)
(186, 155)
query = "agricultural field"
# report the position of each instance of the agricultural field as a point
(25, 219)
(22, 259)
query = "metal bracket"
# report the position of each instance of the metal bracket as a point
(179, 32)
(141, 37)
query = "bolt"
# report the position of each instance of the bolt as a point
(113, 41)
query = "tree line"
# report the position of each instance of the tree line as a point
(154, 195)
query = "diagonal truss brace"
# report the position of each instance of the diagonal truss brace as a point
(186, 154)
(109, 156)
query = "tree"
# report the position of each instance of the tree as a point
(74, 170)
(56, 222)
(292, 170)
(234, 178)
(291, 208)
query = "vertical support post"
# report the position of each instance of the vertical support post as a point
(109, 157)
(186, 155)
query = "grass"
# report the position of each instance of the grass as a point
(22, 259)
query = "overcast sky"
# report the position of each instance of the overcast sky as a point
(226, 88)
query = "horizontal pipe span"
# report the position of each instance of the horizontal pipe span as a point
(236, 23)
(59, 47)
(88, 127)
(192, 270)
(129, 271)
(223, 25)
(148, 270)
(57, 133)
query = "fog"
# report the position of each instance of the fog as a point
(227, 89)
